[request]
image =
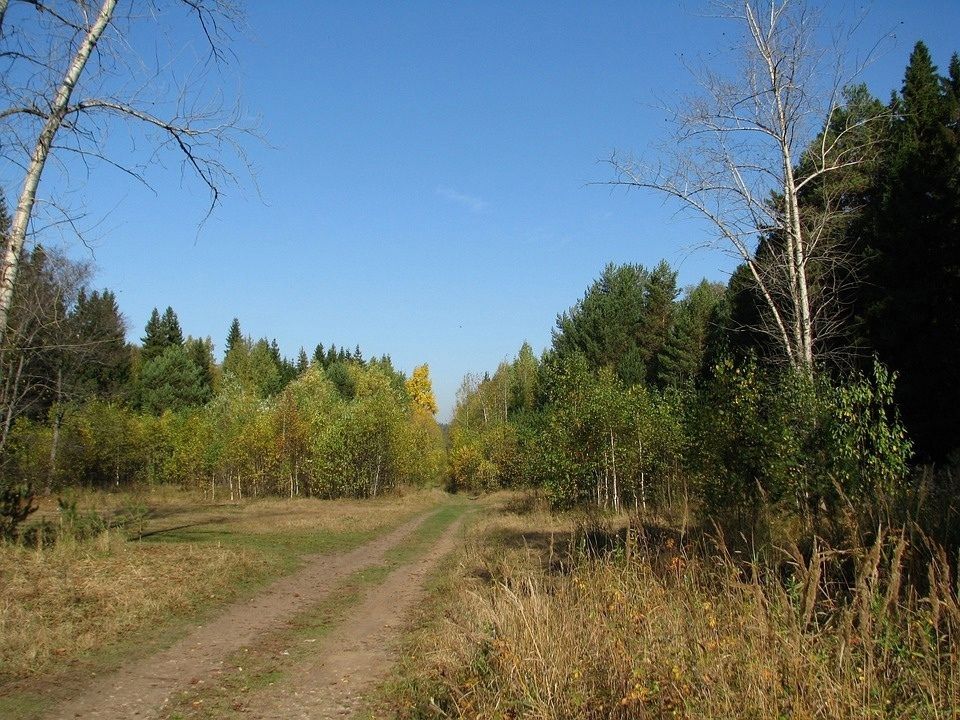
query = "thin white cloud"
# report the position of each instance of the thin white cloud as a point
(471, 202)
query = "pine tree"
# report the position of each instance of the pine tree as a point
(657, 319)
(303, 363)
(171, 381)
(319, 356)
(681, 360)
(621, 322)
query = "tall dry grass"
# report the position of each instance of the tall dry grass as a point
(63, 598)
(655, 629)
(60, 602)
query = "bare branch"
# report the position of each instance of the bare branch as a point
(748, 146)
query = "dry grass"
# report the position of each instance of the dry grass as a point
(73, 599)
(62, 602)
(658, 630)
(332, 516)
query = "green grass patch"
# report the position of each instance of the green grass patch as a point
(284, 551)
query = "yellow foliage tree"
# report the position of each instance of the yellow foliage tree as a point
(420, 389)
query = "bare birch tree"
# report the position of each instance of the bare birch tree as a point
(748, 148)
(70, 69)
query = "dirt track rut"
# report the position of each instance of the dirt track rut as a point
(143, 689)
(360, 652)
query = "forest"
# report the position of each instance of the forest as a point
(655, 396)
(83, 408)
(730, 499)
(793, 536)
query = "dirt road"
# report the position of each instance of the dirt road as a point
(350, 660)
(359, 653)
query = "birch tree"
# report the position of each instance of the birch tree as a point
(70, 70)
(750, 144)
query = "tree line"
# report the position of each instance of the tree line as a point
(649, 397)
(83, 407)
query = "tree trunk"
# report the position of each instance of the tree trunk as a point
(57, 422)
(10, 394)
(797, 262)
(54, 447)
(41, 151)
(613, 465)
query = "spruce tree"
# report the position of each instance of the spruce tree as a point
(102, 355)
(912, 305)
(153, 341)
(234, 336)
(200, 351)
(172, 333)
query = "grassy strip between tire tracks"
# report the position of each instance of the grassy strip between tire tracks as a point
(255, 669)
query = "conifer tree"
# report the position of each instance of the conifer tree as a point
(621, 322)
(275, 351)
(912, 308)
(172, 333)
(153, 341)
(200, 351)
(302, 362)
(171, 381)
(234, 336)
(161, 332)
(682, 358)
(102, 358)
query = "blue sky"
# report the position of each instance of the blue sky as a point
(424, 176)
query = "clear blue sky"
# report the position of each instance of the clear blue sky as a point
(424, 186)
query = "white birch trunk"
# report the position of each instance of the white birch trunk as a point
(41, 151)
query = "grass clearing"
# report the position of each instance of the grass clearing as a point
(532, 623)
(76, 609)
